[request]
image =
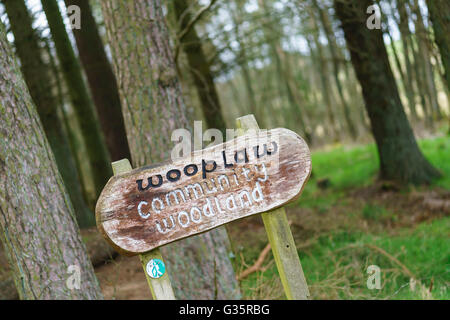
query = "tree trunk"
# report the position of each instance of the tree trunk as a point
(102, 82)
(39, 83)
(79, 96)
(399, 154)
(199, 67)
(37, 223)
(439, 11)
(199, 266)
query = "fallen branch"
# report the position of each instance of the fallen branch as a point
(257, 266)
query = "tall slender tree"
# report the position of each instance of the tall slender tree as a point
(39, 83)
(102, 82)
(37, 223)
(399, 154)
(79, 96)
(153, 107)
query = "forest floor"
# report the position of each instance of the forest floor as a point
(344, 221)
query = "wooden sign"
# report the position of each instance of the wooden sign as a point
(151, 206)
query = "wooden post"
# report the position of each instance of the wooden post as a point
(161, 288)
(280, 239)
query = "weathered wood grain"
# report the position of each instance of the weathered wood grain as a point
(252, 174)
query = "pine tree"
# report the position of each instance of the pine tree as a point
(399, 154)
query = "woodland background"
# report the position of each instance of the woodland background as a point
(373, 105)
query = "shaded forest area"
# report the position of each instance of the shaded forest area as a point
(365, 82)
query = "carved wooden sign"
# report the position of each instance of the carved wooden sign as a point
(151, 206)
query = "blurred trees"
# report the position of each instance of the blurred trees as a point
(439, 11)
(400, 157)
(288, 62)
(37, 223)
(198, 64)
(102, 81)
(39, 82)
(97, 153)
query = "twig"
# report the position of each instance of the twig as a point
(406, 271)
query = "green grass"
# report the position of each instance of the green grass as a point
(335, 265)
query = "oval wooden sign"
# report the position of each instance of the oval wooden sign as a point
(151, 206)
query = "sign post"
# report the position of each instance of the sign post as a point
(256, 173)
(281, 240)
(159, 284)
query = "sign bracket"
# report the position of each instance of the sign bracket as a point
(280, 238)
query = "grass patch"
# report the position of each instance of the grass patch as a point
(336, 266)
(336, 262)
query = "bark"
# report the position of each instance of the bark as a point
(439, 11)
(102, 82)
(199, 68)
(199, 266)
(39, 83)
(96, 151)
(37, 223)
(399, 155)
